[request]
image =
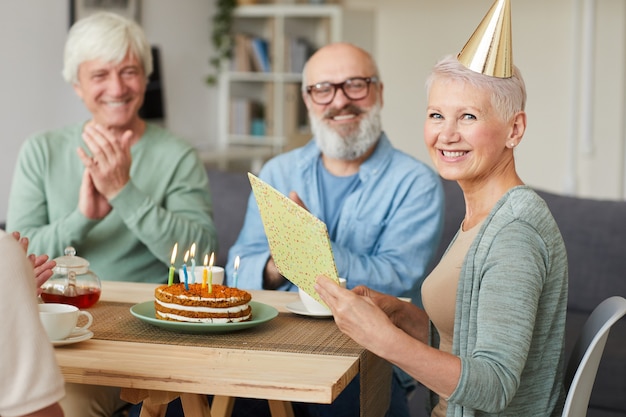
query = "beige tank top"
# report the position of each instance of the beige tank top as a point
(439, 295)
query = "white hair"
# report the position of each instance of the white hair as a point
(508, 95)
(106, 36)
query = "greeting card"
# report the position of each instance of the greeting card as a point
(298, 240)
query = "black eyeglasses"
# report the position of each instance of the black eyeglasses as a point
(356, 88)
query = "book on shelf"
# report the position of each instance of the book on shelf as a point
(250, 53)
(247, 117)
(290, 115)
(269, 108)
(295, 116)
(260, 54)
(297, 51)
(242, 53)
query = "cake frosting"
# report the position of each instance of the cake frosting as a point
(197, 305)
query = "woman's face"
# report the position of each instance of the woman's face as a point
(465, 136)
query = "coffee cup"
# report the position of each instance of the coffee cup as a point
(312, 305)
(217, 278)
(60, 320)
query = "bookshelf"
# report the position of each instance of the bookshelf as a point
(261, 112)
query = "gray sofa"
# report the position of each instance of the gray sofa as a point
(595, 236)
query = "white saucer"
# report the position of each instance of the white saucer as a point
(298, 308)
(74, 338)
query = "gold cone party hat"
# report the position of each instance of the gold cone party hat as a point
(489, 50)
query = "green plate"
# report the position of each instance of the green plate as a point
(261, 313)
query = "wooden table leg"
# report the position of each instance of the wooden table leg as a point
(376, 374)
(134, 395)
(148, 409)
(154, 403)
(280, 408)
(222, 406)
(196, 405)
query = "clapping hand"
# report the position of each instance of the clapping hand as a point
(91, 203)
(107, 171)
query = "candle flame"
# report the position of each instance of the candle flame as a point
(193, 250)
(174, 253)
(186, 256)
(237, 263)
(211, 261)
(206, 259)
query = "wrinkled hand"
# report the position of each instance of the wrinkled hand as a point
(356, 315)
(391, 305)
(41, 264)
(296, 199)
(109, 165)
(91, 203)
(272, 278)
(404, 315)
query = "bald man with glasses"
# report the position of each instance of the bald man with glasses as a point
(383, 208)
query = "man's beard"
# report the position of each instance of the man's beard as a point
(353, 144)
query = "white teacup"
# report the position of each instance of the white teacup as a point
(60, 320)
(312, 305)
(218, 275)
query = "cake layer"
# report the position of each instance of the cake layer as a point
(196, 304)
(220, 296)
(174, 317)
(242, 310)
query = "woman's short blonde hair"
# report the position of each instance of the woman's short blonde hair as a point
(106, 36)
(508, 95)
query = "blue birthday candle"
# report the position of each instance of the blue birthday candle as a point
(185, 270)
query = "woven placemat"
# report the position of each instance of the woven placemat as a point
(285, 333)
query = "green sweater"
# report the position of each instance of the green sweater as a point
(166, 201)
(510, 314)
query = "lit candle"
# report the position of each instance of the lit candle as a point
(211, 273)
(236, 270)
(192, 253)
(185, 270)
(170, 280)
(204, 278)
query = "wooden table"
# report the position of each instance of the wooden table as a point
(158, 373)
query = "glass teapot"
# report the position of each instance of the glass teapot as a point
(72, 283)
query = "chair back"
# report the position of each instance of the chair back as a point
(585, 359)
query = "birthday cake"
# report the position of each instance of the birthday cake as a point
(197, 305)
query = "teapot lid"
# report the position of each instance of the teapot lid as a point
(70, 262)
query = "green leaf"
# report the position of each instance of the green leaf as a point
(221, 36)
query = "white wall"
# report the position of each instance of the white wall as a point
(413, 35)
(408, 37)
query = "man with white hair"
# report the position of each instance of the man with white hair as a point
(383, 208)
(119, 190)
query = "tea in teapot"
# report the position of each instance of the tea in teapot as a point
(72, 283)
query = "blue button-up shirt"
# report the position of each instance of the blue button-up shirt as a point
(389, 226)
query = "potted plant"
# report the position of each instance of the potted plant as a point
(221, 37)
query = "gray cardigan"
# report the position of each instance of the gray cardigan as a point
(510, 313)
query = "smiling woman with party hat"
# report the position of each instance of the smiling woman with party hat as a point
(489, 341)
